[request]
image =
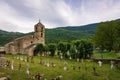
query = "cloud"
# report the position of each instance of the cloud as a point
(22, 15)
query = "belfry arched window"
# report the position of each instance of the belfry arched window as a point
(41, 34)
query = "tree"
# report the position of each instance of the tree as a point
(63, 48)
(84, 48)
(81, 50)
(39, 49)
(68, 45)
(76, 43)
(73, 52)
(52, 49)
(88, 49)
(45, 49)
(107, 36)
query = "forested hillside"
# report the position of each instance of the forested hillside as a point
(6, 37)
(58, 34)
(90, 28)
(54, 35)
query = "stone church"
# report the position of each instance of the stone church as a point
(27, 44)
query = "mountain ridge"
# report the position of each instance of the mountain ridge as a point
(52, 35)
(55, 35)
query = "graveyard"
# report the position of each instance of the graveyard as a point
(60, 40)
(22, 67)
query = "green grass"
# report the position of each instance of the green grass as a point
(106, 55)
(103, 73)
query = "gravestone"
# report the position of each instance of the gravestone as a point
(54, 65)
(45, 63)
(48, 64)
(65, 68)
(17, 57)
(70, 58)
(82, 60)
(24, 59)
(78, 59)
(61, 57)
(8, 63)
(32, 59)
(100, 63)
(65, 63)
(27, 59)
(43, 54)
(2, 62)
(112, 64)
(12, 65)
(21, 58)
(27, 70)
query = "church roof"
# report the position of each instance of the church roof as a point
(30, 46)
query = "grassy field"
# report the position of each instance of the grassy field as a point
(106, 55)
(85, 72)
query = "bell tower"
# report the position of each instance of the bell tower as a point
(39, 34)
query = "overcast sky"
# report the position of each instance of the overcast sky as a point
(22, 15)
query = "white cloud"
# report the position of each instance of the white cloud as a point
(21, 15)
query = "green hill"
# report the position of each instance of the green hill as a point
(54, 35)
(6, 37)
(90, 28)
